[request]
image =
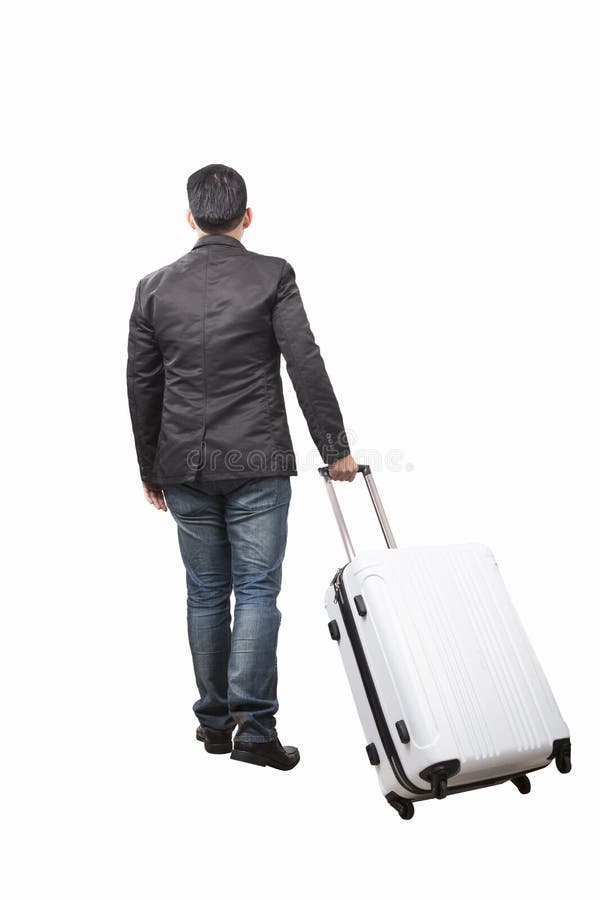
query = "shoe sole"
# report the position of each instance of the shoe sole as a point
(254, 760)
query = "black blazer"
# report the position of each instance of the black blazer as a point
(205, 393)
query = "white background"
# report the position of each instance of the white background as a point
(431, 172)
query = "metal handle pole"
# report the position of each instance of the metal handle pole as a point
(337, 511)
(383, 519)
(375, 499)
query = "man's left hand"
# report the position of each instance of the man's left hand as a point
(154, 494)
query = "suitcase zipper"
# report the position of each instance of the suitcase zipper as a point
(336, 585)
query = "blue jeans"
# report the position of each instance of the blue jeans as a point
(232, 534)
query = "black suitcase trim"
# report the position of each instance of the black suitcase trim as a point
(371, 691)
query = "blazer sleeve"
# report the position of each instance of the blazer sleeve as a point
(307, 370)
(145, 387)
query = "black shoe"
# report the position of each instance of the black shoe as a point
(214, 741)
(266, 753)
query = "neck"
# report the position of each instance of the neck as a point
(236, 233)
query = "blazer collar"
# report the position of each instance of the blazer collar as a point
(218, 239)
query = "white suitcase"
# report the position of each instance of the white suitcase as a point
(448, 688)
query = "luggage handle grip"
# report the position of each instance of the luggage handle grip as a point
(365, 470)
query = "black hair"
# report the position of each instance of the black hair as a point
(217, 197)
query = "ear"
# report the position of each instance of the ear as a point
(247, 218)
(190, 220)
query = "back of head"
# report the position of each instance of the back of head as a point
(217, 197)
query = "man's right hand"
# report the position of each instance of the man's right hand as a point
(343, 469)
(154, 494)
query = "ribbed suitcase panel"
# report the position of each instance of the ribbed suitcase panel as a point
(449, 655)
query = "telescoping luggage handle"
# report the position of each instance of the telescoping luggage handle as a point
(374, 495)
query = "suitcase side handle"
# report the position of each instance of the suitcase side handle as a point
(376, 500)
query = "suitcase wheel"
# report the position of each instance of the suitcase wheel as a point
(438, 774)
(561, 753)
(439, 786)
(405, 808)
(522, 783)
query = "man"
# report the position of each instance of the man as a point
(212, 440)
